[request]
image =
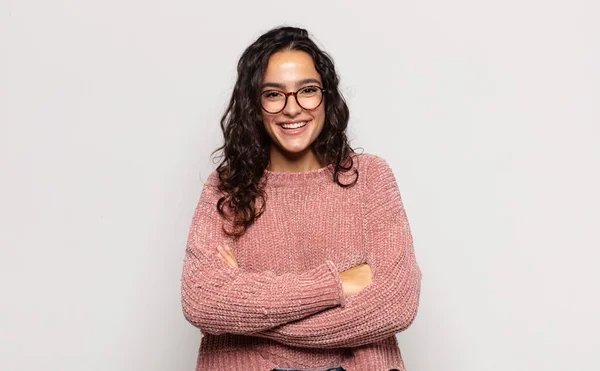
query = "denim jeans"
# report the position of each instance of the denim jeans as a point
(300, 369)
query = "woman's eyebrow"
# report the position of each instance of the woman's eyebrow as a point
(273, 85)
(277, 85)
(308, 81)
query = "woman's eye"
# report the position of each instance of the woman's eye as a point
(273, 95)
(309, 90)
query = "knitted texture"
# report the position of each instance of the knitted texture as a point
(284, 306)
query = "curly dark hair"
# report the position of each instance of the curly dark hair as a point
(246, 149)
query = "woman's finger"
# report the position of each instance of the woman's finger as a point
(230, 260)
(223, 259)
(228, 256)
(222, 254)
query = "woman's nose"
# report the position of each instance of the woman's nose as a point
(292, 108)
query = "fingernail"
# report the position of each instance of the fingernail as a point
(219, 248)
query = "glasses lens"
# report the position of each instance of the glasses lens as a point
(310, 97)
(272, 101)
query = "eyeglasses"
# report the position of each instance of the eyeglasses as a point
(308, 97)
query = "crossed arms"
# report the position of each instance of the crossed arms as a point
(314, 313)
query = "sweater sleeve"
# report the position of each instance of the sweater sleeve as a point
(387, 306)
(218, 299)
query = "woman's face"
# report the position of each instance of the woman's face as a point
(288, 71)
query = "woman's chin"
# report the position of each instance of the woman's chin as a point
(293, 148)
(293, 151)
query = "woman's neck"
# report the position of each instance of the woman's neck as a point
(284, 163)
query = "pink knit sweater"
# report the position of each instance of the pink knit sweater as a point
(284, 306)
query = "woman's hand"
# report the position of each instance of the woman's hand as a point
(355, 279)
(227, 256)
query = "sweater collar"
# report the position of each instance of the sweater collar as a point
(283, 179)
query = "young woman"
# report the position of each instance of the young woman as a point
(299, 254)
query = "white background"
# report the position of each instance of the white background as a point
(487, 111)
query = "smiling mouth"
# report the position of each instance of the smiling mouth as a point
(295, 125)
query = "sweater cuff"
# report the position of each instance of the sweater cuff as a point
(336, 275)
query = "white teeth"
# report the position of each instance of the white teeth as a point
(294, 126)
